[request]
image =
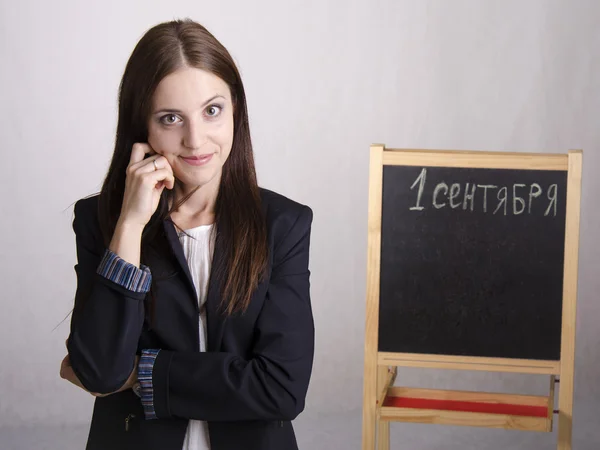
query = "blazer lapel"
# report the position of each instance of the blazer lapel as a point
(214, 317)
(173, 239)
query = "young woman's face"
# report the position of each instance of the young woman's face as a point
(191, 125)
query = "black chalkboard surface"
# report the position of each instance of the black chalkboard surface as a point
(472, 261)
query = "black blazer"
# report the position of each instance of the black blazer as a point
(253, 378)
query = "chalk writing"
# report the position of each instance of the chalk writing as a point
(515, 199)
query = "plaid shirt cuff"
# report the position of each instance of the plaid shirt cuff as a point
(145, 367)
(125, 274)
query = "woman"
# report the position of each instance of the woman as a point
(192, 323)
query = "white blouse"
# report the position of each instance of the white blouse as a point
(198, 248)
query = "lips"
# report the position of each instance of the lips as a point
(197, 160)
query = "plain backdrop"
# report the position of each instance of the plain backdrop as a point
(324, 80)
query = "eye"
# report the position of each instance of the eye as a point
(169, 119)
(213, 110)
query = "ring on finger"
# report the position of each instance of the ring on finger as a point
(155, 166)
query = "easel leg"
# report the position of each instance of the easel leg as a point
(565, 410)
(384, 379)
(383, 435)
(567, 350)
(368, 434)
(369, 405)
(565, 424)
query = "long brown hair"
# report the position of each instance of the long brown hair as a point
(239, 219)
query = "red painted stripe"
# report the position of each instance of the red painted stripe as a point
(454, 405)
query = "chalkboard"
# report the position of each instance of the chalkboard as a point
(472, 261)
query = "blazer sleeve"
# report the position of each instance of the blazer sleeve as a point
(272, 385)
(108, 314)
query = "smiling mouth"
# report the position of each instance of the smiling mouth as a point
(197, 160)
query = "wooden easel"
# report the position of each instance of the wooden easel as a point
(384, 403)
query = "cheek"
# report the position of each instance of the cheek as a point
(226, 137)
(163, 142)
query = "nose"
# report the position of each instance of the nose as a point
(195, 135)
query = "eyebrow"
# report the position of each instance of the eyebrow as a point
(177, 111)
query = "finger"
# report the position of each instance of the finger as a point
(139, 151)
(168, 181)
(147, 165)
(159, 175)
(152, 151)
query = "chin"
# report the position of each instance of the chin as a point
(197, 180)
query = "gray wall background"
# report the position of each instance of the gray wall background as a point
(324, 80)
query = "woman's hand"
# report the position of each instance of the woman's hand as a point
(67, 373)
(145, 181)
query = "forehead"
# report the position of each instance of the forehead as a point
(188, 86)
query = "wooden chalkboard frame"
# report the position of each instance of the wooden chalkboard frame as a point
(380, 367)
